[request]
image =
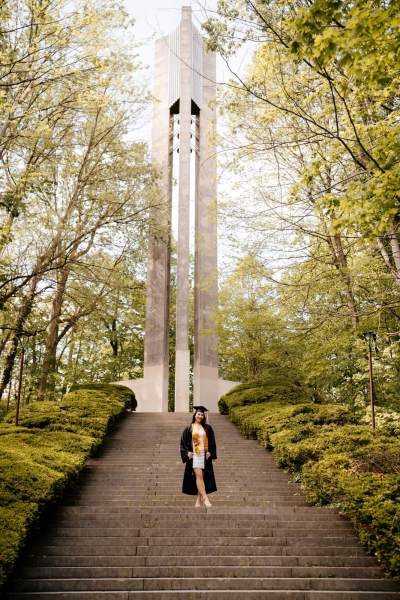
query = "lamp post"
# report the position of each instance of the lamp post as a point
(9, 395)
(370, 337)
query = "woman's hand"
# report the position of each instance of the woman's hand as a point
(190, 455)
(208, 455)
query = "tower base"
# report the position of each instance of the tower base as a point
(148, 400)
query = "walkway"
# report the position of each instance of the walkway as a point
(130, 534)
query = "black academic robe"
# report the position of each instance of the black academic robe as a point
(189, 478)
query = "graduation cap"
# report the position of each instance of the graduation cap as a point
(202, 409)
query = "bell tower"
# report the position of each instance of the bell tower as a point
(183, 140)
(184, 97)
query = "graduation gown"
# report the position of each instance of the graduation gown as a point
(189, 478)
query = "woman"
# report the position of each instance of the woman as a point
(198, 450)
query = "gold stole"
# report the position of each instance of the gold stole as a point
(196, 441)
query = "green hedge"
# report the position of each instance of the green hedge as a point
(45, 453)
(251, 393)
(337, 460)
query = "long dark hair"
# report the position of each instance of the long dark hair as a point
(204, 420)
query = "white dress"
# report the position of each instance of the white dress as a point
(198, 458)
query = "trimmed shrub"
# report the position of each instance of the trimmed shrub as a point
(45, 453)
(251, 393)
(337, 460)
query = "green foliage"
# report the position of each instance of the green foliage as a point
(118, 391)
(247, 393)
(253, 342)
(314, 124)
(340, 61)
(79, 242)
(82, 410)
(15, 522)
(337, 460)
(45, 453)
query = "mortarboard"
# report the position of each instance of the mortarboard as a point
(200, 408)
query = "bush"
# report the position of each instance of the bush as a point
(250, 393)
(45, 453)
(338, 459)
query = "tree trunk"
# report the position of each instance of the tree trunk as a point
(33, 366)
(22, 315)
(345, 275)
(339, 260)
(393, 270)
(47, 379)
(68, 368)
(4, 341)
(77, 357)
(394, 244)
(114, 338)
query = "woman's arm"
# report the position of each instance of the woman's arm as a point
(212, 446)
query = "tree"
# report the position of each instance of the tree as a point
(346, 55)
(73, 183)
(252, 337)
(308, 121)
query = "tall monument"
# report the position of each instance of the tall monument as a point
(184, 86)
(183, 123)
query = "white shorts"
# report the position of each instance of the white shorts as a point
(198, 460)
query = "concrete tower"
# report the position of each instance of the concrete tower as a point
(184, 85)
(183, 122)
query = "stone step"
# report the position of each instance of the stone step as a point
(218, 550)
(214, 540)
(163, 474)
(154, 529)
(170, 486)
(127, 473)
(226, 549)
(203, 583)
(195, 571)
(160, 470)
(208, 595)
(229, 560)
(182, 502)
(249, 499)
(298, 513)
(210, 521)
(126, 476)
(174, 487)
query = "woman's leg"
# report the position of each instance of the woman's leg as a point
(198, 501)
(201, 487)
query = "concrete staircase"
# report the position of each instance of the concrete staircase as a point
(128, 532)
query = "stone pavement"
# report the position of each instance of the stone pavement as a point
(128, 532)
